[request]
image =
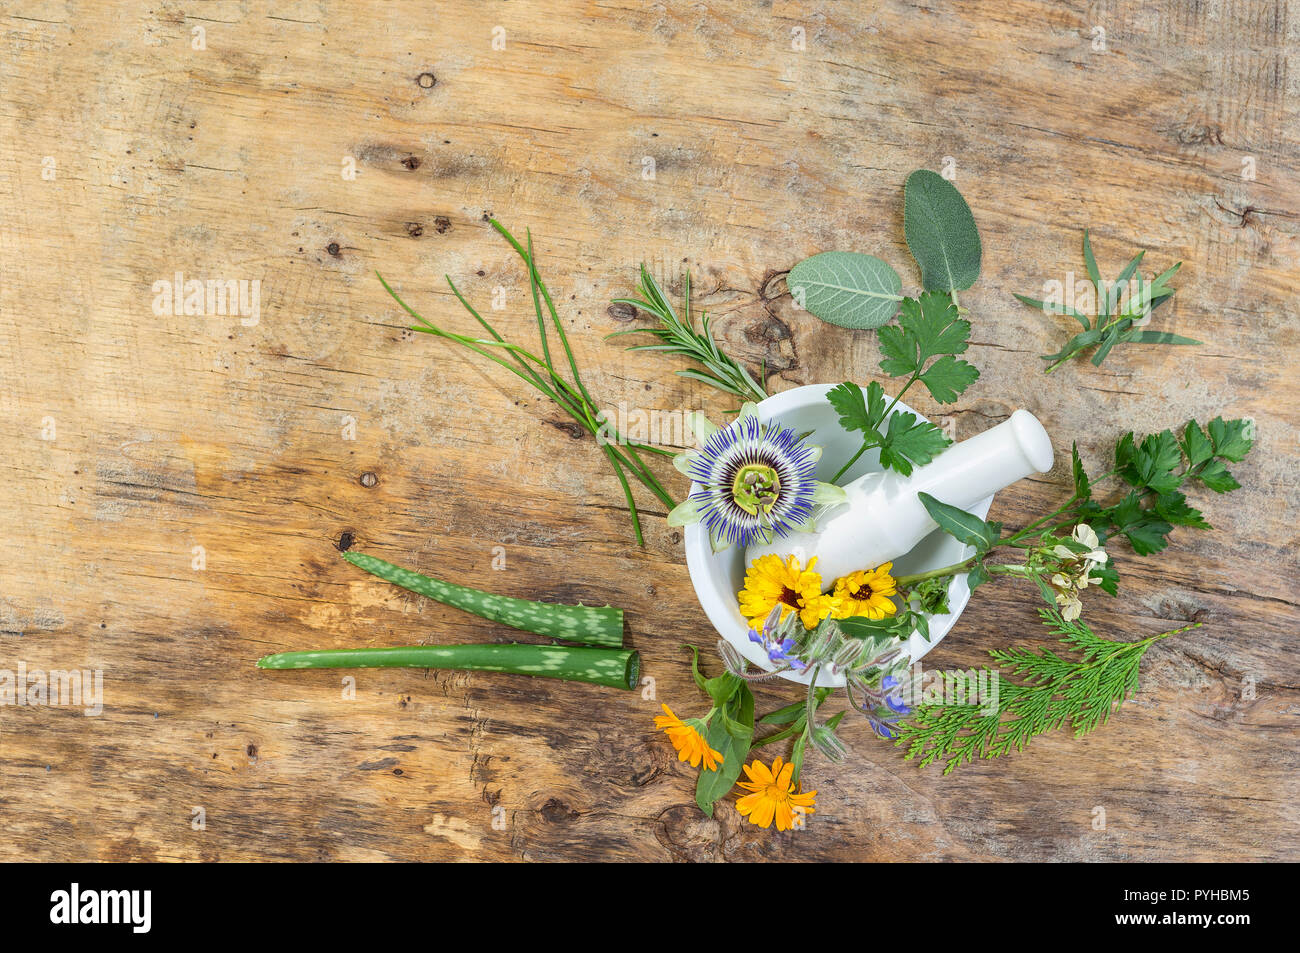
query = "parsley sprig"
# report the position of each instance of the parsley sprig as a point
(1115, 321)
(922, 347)
(1154, 471)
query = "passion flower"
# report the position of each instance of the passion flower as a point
(754, 481)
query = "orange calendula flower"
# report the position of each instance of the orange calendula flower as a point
(688, 740)
(772, 797)
(771, 582)
(866, 593)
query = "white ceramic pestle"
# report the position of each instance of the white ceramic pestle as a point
(883, 518)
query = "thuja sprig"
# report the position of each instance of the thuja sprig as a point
(569, 394)
(922, 347)
(679, 336)
(1114, 321)
(1052, 690)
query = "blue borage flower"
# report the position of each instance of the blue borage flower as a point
(755, 480)
(777, 640)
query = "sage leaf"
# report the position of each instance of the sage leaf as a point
(848, 289)
(940, 232)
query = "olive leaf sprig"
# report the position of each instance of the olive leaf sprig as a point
(1117, 320)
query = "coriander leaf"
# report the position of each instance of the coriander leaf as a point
(929, 327)
(1107, 576)
(910, 441)
(858, 411)
(947, 377)
(1145, 533)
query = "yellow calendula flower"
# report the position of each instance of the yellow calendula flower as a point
(773, 797)
(866, 593)
(771, 582)
(688, 741)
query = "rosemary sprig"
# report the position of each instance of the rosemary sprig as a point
(678, 336)
(571, 396)
(1054, 690)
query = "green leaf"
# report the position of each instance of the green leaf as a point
(964, 527)
(1108, 576)
(1108, 341)
(940, 232)
(1082, 485)
(929, 327)
(1090, 262)
(1196, 445)
(1142, 336)
(1055, 308)
(977, 576)
(909, 441)
(1230, 438)
(1154, 463)
(1116, 290)
(847, 289)
(695, 667)
(734, 748)
(1081, 341)
(947, 377)
(858, 411)
(1144, 532)
(1173, 508)
(721, 688)
(1216, 476)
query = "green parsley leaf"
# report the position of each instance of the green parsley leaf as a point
(1230, 438)
(910, 441)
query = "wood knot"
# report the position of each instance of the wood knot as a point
(621, 312)
(369, 479)
(556, 811)
(426, 81)
(442, 224)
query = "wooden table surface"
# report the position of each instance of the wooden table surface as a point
(175, 486)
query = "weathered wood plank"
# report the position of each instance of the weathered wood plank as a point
(174, 431)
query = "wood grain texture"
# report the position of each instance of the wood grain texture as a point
(172, 432)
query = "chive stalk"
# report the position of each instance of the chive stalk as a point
(591, 625)
(615, 668)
